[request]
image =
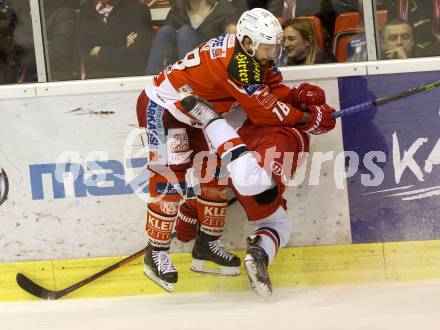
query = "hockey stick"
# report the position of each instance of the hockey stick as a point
(385, 99)
(38, 291)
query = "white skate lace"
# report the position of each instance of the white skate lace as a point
(218, 248)
(163, 262)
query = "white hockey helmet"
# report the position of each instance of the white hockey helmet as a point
(260, 26)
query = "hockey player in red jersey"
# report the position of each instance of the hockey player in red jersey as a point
(230, 71)
(260, 161)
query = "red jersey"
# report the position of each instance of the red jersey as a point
(221, 72)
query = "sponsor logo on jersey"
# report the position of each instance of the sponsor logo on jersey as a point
(277, 169)
(245, 69)
(217, 47)
(266, 99)
(251, 89)
(185, 90)
(4, 186)
(231, 41)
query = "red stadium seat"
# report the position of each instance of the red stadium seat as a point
(346, 26)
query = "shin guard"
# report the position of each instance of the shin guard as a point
(211, 209)
(160, 221)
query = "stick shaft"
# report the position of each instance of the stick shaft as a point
(385, 99)
(93, 277)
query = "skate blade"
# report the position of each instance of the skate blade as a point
(163, 284)
(260, 288)
(202, 266)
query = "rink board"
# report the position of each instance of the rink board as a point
(77, 182)
(76, 173)
(406, 203)
(294, 267)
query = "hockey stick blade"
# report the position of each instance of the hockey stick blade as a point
(38, 291)
(33, 288)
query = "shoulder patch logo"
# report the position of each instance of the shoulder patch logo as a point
(217, 47)
(252, 88)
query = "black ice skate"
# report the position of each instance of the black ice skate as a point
(159, 268)
(209, 250)
(256, 263)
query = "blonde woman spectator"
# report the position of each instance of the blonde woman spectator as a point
(300, 45)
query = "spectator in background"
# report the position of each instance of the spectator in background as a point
(274, 6)
(8, 66)
(321, 8)
(189, 23)
(328, 10)
(422, 15)
(24, 41)
(113, 38)
(289, 9)
(397, 40)
(59, 24)
(300, 45)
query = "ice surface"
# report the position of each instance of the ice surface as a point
(410, 305)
